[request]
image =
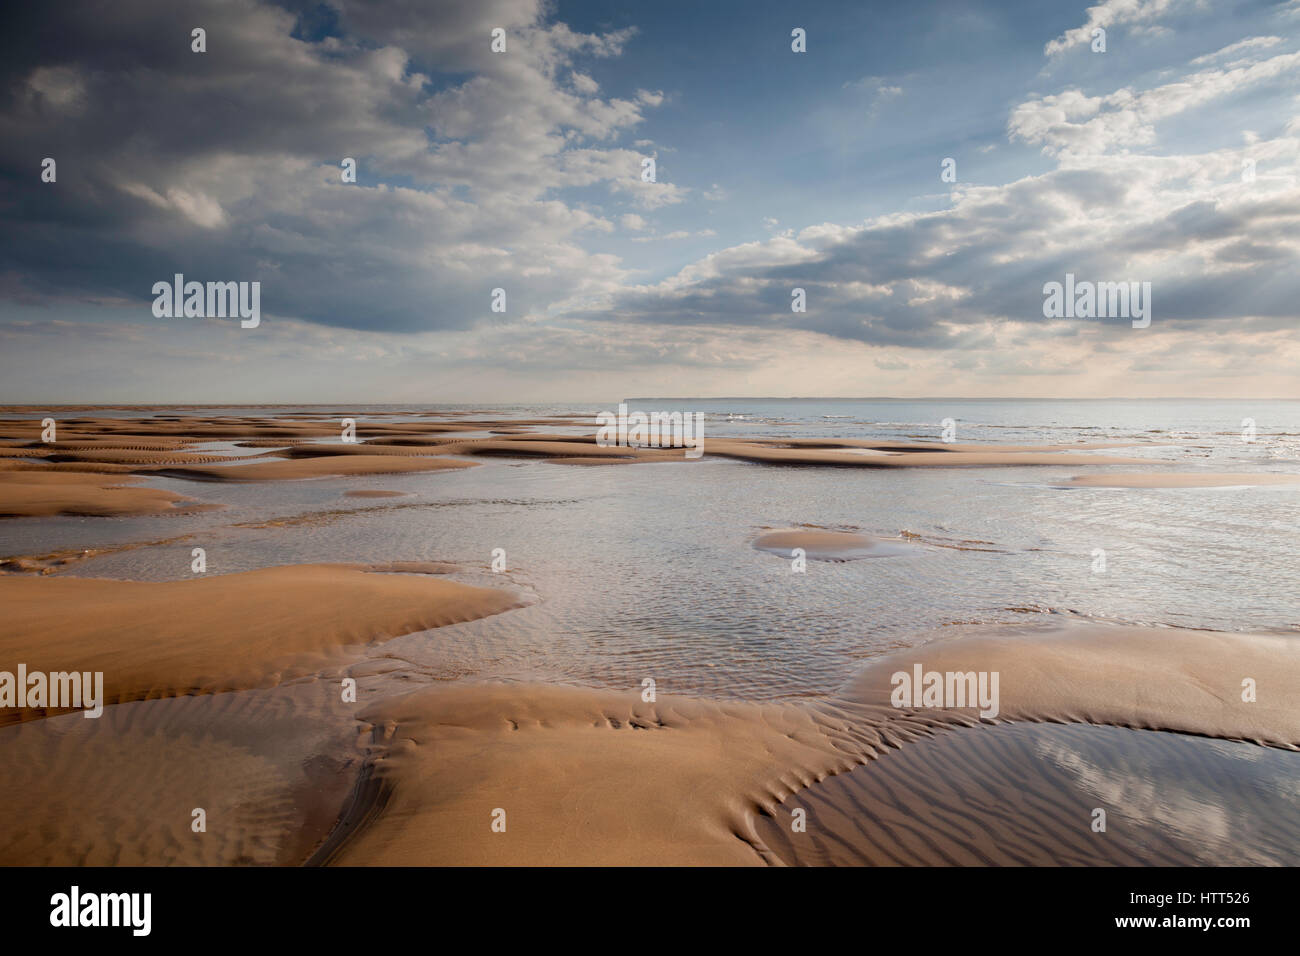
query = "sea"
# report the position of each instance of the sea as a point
(649, 570)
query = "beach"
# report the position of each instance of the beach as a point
(432, 640)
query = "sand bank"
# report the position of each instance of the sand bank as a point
(330, 466)
(822, 545)
(221, 632)
(591, 777)
(584, 777)
(933, 456)
(567, 450)
(163, 444)
(44, 493)
(1153, 678)
(269, 768)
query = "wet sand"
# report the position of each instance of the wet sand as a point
(1028, 795)
(224, 693)
(48, 478)
(269, 768)
(221, 632)
(595, 778)
(300, 448)
(822, 545)
(33, 494)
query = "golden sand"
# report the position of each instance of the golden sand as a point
(220, 632)
(224, 687)
(597, 778)
(28, 494)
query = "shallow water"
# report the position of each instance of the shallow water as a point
(648, 570)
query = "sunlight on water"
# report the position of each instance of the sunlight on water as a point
(649, 570)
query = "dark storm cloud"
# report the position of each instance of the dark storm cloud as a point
(224, 165)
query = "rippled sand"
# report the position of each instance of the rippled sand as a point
(226, 694)
(1028, 795)
(594, 778)
(220, 633)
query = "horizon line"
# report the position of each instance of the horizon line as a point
(144, 404)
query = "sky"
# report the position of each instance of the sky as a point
(1170, 157)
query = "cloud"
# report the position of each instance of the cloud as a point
(1241, 46)
(584, 84)
(225, 164)
(1077, 123)
(1113, 13)
(877, 89)
(678, 234)
(1218, 250)
(480, 170)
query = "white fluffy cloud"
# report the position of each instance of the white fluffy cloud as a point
(226, 164)
(519, 170)
(1222, 249)
(1113, 13)
(1126, 119)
